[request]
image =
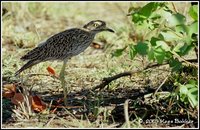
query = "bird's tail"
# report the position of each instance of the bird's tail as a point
(26, 66)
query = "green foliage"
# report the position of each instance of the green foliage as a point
(159, 54)
(166, 34)
(132, 51)
(173, 34)
(151, 55)
(176, 19)
(145, 12)
(118, 52)
(193, 12)
(189, 93)
(175, 64)
(141, 48)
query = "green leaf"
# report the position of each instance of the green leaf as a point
(182, 28)
(175, 64)
(141, 48)
(170, 36)
(192, 94)
(151, 54)
(137, 18)
(178, 47)
(154, 40)
(118, 52)
(193, 100)
(163, 45)
(193, 82)
(183, 93)
(176, 19)
(155, 16)
(183, 90)
(187, 39)
(149, 8)
(190, 86)
(185, 49)
(193, 28)
(132, 51)
(189, 93)
(159, 54)
(165, 13)
(146, 11)
(193, 11)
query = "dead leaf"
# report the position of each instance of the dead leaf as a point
(9, 90)
(37, 104)
(96, 45)
(18, 97)
(51, 70)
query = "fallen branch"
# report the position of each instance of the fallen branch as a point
(108, 80)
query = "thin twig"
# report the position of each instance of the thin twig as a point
(174, 7)
(184, 60)
(47, 124)
(162, 83)
(126, 116)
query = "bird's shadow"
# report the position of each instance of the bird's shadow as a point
(90, 101)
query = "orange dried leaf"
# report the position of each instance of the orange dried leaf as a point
(51, 70)
(18, 97)
(96, 45)
(9, 90)
(37, 104)
(8, 94)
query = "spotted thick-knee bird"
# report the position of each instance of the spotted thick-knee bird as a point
(64, 45)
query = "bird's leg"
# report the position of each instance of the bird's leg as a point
(62, 79)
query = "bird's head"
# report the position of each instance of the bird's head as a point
(97, 26)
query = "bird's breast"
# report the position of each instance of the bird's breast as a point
(82, 43)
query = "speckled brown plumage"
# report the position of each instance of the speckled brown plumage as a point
(64, 45)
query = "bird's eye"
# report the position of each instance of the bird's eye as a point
(95, 25)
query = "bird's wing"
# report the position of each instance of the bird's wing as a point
(42, 43)
(56, 47)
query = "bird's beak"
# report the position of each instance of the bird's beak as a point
(108, 29)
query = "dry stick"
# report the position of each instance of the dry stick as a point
(106, 81)
(126, 113)
(174, 7)
(184, 60)
(47, 124)
(162, 83)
